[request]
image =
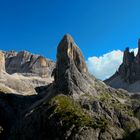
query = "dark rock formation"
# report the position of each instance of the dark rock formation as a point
(128, 74)
(126, 69)
(25, 62)
(130, 68)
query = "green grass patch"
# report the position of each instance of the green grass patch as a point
(111, 102)
(71, 113)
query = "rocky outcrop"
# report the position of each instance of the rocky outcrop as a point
(25, 62)
(126, 70)
(128, 74)
(71, 74)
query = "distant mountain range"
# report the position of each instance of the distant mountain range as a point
(25, 62)
(21, 72)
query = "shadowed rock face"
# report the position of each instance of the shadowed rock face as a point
(130, 68)
(71, 74)
(128, 74)
(127, 68)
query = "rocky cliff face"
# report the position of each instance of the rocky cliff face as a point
(21, 73)
(25, 62)
(128, 74)
(77, 106)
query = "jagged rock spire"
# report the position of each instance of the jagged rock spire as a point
(71, 74)
(69, 53)
(126, 56)
(129, 70)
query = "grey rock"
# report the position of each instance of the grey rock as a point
(86, 134)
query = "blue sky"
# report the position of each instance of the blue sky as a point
(98, 26)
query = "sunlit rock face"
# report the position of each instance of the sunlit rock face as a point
(69, 53)
(21, 73)
(2, 62)
(25, 62)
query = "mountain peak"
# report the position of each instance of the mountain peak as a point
(128, 72)
(68, 37)
(69, 53)
(71, 73)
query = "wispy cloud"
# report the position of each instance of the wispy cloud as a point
(106, 65)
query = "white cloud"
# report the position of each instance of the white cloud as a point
(135, 51)
(106, 65)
